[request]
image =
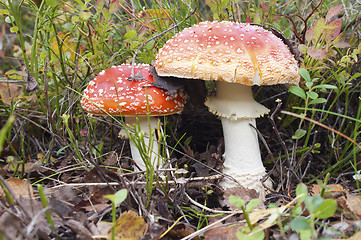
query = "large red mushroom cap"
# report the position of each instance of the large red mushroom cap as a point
(230, 52)
(111, 93)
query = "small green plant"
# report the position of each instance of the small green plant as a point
(318, 209)
(4, 130)
(220, 8)
(145, 145)
(44, 202)
(310, 96)
(116, 199)
(249, 232)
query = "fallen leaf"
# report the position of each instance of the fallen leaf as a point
(240, 192)
(68, 45)
(353, 203)
(180, 231)
(357, 236)
(331, 190)
(223, 232)
(129, 226)
(9, 92)
(82, 232)
(19, 188)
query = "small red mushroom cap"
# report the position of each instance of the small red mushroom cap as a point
(111, 93)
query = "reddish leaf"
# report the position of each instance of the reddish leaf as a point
(341, 44)
(318, 54)
(264, 7)
(302, 48)
(316, 30)
(99, 4)
(332, 30)
(248, 20)
(114, 6)
(333, 12)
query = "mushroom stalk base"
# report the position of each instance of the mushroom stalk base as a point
(235, 105)
(151, 154)
(242, 158)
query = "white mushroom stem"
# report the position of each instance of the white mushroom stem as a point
(235, 105)
(150, 151)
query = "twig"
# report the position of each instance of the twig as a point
(214, 177)
(208, 209)
(4, 80)
(277, 133)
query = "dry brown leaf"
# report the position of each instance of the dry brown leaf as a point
(129, 226)
(19, 188)
(180, 231)
(223, 232)
(240, 192)
(357, 236)
(332, 190)
(9, 92)
(353, 203)
(82, 232)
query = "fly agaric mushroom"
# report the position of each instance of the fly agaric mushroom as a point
(112, 93)
(237, 55)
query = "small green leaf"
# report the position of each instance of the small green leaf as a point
(252, 204)
(300, 224)
(296, 90)
(299, 134)
(306, 234)
(75, 19)
(326, 209)
(326, 86)
(309, 85)
(250, 236)
(85, 16)
(51, 3)
(9, 19)
(4, 130)
(318, 101)
(79, 2)
(120, 196)
(236, 201)
(301, 189)
(130, 34)
(296, 210)
(305, 74)
(4, 12)
(188, 141)
(312, 95)
(14, 29)
(313, 202)
(111, 197)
